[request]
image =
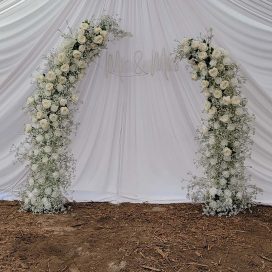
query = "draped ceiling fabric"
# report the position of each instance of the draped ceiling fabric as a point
(139, 111)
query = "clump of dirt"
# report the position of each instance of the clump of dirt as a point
(103, 237)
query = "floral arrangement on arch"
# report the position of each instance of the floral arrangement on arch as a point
(51, 107)
(226, 135)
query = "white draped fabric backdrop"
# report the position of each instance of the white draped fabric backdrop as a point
(139, 110)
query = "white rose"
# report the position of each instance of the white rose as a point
(39, 77)
(61, 57)
(28, 128)
(213, 161)
(227, 193)
(64, 111)
(45, 159)
(39, 138)
(202, 65)
(53, 117)
(195, 44)
(216, 53)
(226, 100)
(30, 100)
(212, 140)
(84, 26)
(76, 54)
(44, 124)
(82, 64)
(47, 149)
(55, 156)
(48, 191)
(212, 111)
(234, 81)
(224, 118)
(39, 115)
(46, 103)
(57, 72)
(184, 41)
(213, 72)
(72, 79)
(235, 100)
(97, 30)
(104, 33)
(82, 48)
(98, 39)
(34, 167)
(218, 80)
(62, 79)
(204, 84)
(202, 55)
(224, 142)
(203, 47)
(63, 101)
(213, 191)
(206, 93)
(65, 67)
(226, 174)
(57, 133)
(227, 151)
(224, 84)
(60, 88)
(205, 130)
(81, 39)
(31, 181)
(49, 86)
(239, 195)
(217, 93)
(51, 76)
(54, 108)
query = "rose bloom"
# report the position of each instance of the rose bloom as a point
(104, 33)
(226, 61)
(54, 107)
(34, 167)
(81, 39)
(82, 64)
(45, 159)
(235, 100)
(217, 93)
(202, 65)
(65, 67)
(226, 100)
(213, 191)
(76, 54)
(202, 55)
(63, 101)
(194, 76)
(61, 57)
(234, 81)
(231, 127)
(46, 103)
(72, 79)
(30, 100)
(64, 111)
(224, 118)
(206, 93)
(203, 47)
(216, 53)
(98, 39)
(62, 79)
(186, 49)
(49, 86)
(97, 30)
(82, 48)
(227, 151)
(74, 98)
(39, 115)
(207, 105)
(51, 76)
(213, 72)
(53, 117)
(216, 125)
(60, 88)
(195, 44)
(44, 124)
(204, 83)
(84, 26)
(239, 111)
(224, 84)
(218, 80)
(225, 174)
(39, 138)
(213, 62)
(212, 111)
(47, 149)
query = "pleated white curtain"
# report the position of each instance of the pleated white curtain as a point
(139, 111)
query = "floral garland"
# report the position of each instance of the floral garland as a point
(52, 105)
(225, 138)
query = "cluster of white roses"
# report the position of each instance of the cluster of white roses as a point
(225, 139)
(46, 147)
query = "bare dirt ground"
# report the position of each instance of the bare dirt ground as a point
(101, 237)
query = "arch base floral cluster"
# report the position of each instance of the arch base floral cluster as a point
(225, 138)
(51, 107)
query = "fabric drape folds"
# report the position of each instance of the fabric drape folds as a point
(139, 110)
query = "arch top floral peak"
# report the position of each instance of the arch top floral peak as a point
(49, 161)
(226, 135)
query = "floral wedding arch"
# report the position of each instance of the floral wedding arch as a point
(225, 138)
(51, 107)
